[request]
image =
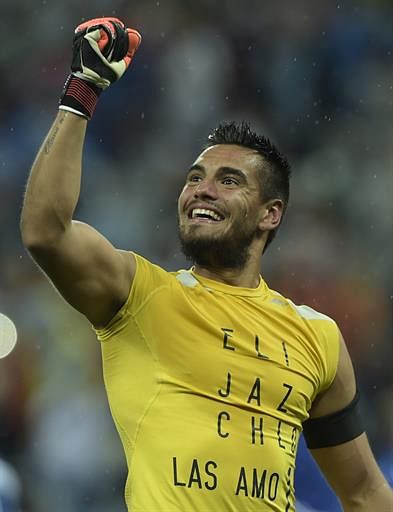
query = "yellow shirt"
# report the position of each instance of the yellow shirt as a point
(208, 385)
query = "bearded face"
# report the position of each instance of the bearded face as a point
(219, 208)
(219, 248)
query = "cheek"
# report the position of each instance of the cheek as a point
(186, 193)
(183, 197)
(182, 194)
(245, 210)
(248, 214)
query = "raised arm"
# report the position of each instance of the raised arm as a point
(88, 271)
(349, 466)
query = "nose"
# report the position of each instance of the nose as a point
(207, 188)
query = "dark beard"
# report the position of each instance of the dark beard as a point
(228, 252)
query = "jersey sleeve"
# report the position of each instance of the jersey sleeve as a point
(324, 344)
(329, 337)
(147, 280)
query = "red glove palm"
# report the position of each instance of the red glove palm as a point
(102, 51)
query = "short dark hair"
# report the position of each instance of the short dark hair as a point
(273, 175)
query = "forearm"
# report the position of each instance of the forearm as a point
(378, 498)
(54, 183)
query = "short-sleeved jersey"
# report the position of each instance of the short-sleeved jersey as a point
(208, 385)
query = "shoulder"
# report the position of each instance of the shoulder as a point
(146, 280)
(316, 331)
(149, 271)
(151, 277)
(302, 311)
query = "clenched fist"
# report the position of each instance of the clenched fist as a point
(102, 51)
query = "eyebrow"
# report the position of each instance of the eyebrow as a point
(221, 170)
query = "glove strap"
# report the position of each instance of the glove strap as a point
(79, 96)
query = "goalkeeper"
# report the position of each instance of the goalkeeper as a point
(210, 375)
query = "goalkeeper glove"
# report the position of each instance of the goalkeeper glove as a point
(102, 51)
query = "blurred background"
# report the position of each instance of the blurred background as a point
(316, 78)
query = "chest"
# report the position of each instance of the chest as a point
(233, 350)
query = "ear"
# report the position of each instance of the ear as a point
(271, 215)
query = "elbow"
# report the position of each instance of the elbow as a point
(37, 237)
(31, 234)
(374, 496)
(32, 241)
(28, 235)
(43, 223)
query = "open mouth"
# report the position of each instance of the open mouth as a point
(205, 215)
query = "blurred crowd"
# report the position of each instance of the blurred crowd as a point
(316, 78)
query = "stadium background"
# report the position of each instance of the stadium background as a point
(316, 77)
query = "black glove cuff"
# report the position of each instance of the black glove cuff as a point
(80, 96)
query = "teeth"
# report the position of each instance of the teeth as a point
(203, 211)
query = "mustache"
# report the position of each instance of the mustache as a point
(230, 250)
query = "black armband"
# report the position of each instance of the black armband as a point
(336, 428)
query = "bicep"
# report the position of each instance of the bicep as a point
(342, 389)
(92, 275)
(347, 461)
(351, 469)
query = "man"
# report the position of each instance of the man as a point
(210, 375)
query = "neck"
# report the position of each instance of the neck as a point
(246, 277)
